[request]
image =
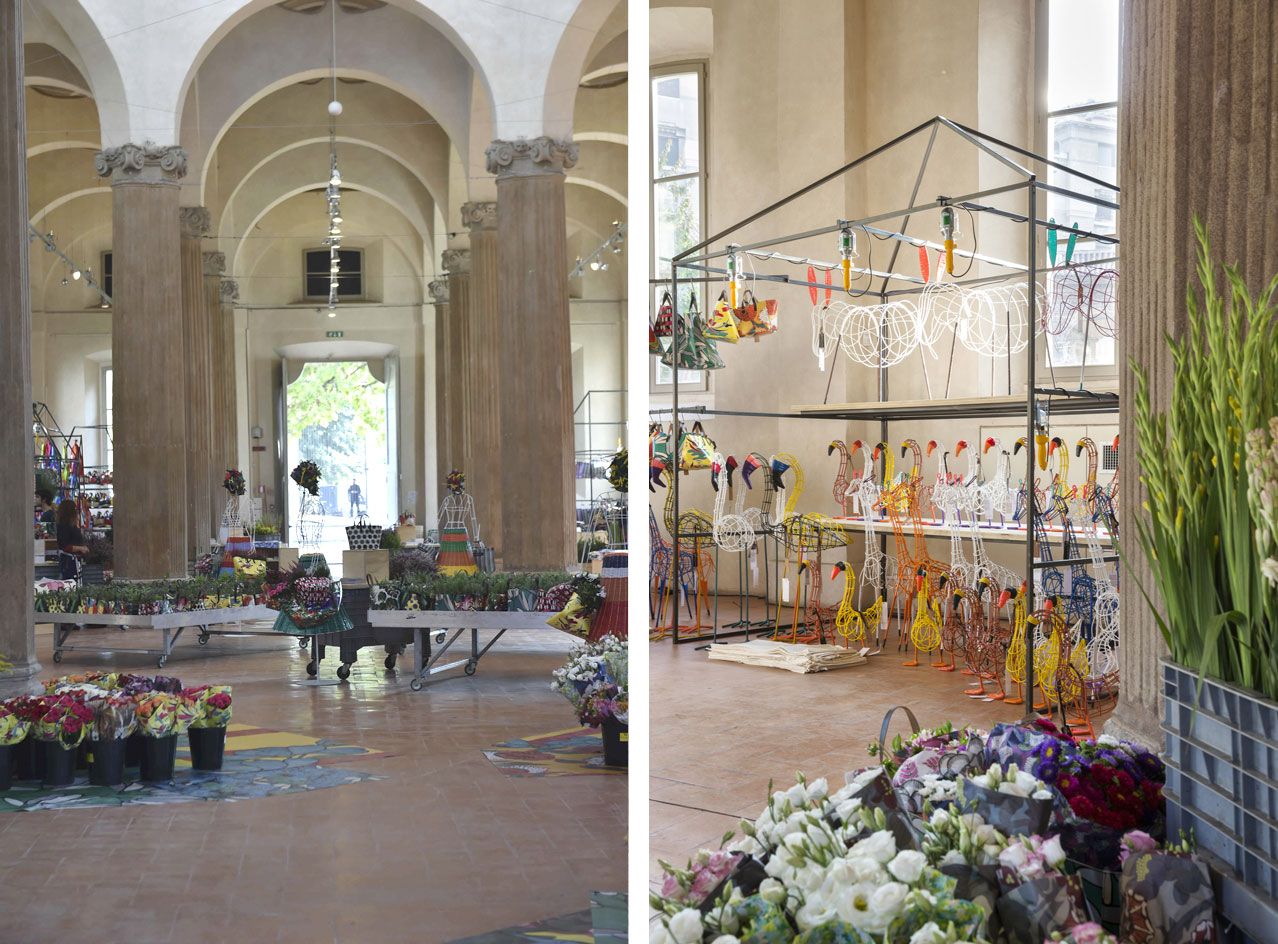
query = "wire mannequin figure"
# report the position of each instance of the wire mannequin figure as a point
(458, 528)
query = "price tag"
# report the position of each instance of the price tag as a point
(785, 589)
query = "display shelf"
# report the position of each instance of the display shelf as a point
(1035, 407)
(169, 625)
(1058, 403)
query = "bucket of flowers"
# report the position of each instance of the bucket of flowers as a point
(207, 733)
(114, 719)
(13, 730)
(161, 718)
(60, 723)
(595, 680)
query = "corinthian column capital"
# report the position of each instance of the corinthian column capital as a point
(438, 291)
(530, 157)
(478, 215)
(196, 221)
(456, 261)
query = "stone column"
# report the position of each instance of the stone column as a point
(483, 361)
(439, 297)
(536, 361)
(1195, 137)
(17, 451)
(457, 396)
(219, 459)
(148, 356)
(227, 440)
(201, 526)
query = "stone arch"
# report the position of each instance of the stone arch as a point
(579, 38)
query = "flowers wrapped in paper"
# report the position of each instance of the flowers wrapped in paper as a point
(114, 717)
(212, 704)
(161, 714)
(1038, 898)
(13, 728)
(1166, 894)
(63, 719)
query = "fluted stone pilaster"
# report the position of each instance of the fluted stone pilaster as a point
(483, 360)
(456, 264)
(200, 524)
(1195, 137)
(17, 571)
(438, 290)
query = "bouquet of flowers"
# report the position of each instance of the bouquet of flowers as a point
(234, 482)
(133, 685)
(1038, 898)
(705, 873)
(1114, 783)
(827, 880)
(212, 705)
(944, 741)
(161, 714)
(13, 728)
(307, 475)
(456, 481)
(114, 717)
(61, 718)
(307, 599)
(595, 680)
(1012, 800)
(1166, 893)
(1089, 932)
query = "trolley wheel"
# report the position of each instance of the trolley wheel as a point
(204, 639)
(470, 668)
(57, 657)
(390, 661)
(162, 661)
(303, 642)
(310, 669)
(415, 685)
(439, 637)
(344, 671)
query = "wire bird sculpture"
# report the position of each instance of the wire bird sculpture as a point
(800, 533)
(853, 624)
(696, 532)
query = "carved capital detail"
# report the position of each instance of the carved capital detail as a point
(456, 261)
(196, 221)
(529, 157)
(215, 263)
(438, 291)
(228, 291)
(479, 215)
(141, 163)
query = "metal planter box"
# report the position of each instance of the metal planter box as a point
(1222, 783)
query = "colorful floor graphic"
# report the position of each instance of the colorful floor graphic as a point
(258, 762)
(557, 754)
(603, 923)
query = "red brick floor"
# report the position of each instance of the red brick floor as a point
(445, 847)
(720, 732)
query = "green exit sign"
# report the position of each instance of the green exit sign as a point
(333, 334)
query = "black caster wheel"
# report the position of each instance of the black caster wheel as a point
(343, 671)
(162, 661)
(310, 669)
(439, 638)
(57, 657)
(389, 662)
(415, 685)
(204, 639)
(470, 668)
(303, 643)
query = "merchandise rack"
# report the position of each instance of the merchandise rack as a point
(1038, 403)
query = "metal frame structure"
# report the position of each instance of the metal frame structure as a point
(1039, 401)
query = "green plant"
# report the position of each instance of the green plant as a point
(390, 540)
(1201, 535)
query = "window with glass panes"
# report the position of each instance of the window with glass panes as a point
(678, 186)
(1081, 126)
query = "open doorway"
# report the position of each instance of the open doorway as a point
(340, 416)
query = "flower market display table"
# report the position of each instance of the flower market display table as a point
(448, 627)
(170, 625)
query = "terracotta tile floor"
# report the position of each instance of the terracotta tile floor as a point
(720, 732)
(445, 847)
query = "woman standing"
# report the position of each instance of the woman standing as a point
(71, 543)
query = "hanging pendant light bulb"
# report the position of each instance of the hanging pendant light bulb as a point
(75, 274)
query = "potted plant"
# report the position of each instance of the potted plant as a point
(162, 716)
(13, 730)
(207, 734)
(595, 680)
(1209, 464)
(61, 723)
(114, 719)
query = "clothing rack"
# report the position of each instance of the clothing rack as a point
(1038, 402)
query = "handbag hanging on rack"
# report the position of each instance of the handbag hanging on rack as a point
(755, 318)
(362, 536)
(721, 326)
(696, 449)
(695, 351)
(658, 442)
(663, 325)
